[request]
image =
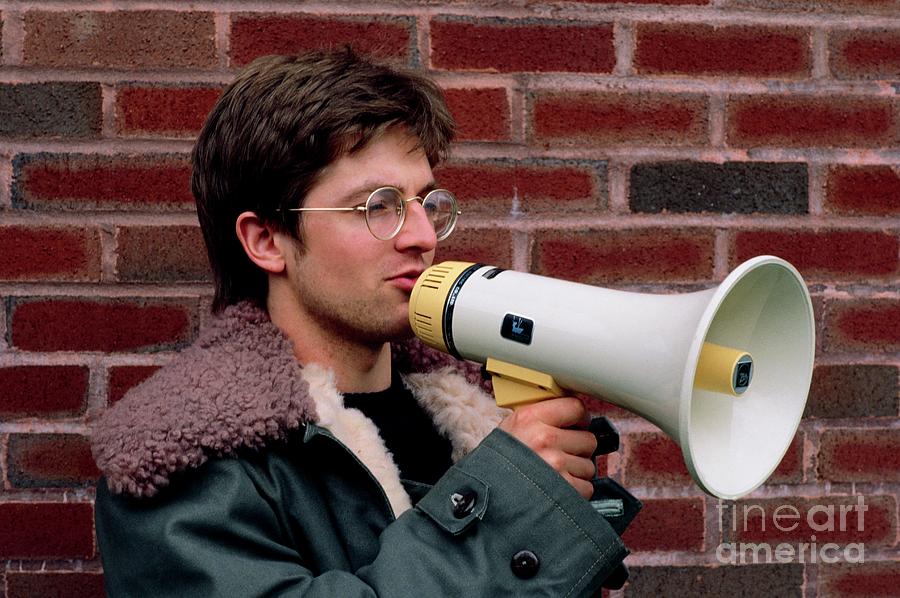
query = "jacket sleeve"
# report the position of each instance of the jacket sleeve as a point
(499, 522)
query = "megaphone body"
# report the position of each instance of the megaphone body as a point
(681, 361)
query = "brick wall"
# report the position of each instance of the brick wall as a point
(649, 145)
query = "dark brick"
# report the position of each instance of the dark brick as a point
(783, 580)
(85, 182)
(795, 121)
(665, 2)
(866, 54)
(866, 580)
(862, 325)
(824, 255)
(43, 391)
(130, 39)
(617, 256)
(124, 378)
(543, 185)
(738, 187)
(162, 254)
(790, 470)
(653, 459)
(853, 391)
(492, 247)
(43, 253)
(795, 520)
(868, 455)
(163, 111)
(101, 325)
(597, 118)
(253, 35)
(57, 584)
(50, 110)
(46, 530)
(521, 45)
(667, 524)
(480, 114)
(863, 190)
(50, 461)
(693, 49)
(851, 6)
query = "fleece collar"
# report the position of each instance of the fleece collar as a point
(239, 386)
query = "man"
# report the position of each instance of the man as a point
(304, 445)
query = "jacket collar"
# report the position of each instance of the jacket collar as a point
(239, 386)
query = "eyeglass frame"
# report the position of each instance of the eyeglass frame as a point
(365, 209)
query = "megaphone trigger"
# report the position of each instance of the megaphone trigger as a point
(515, 385)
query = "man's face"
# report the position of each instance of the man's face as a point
(345, 280)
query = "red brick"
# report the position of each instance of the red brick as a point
(101, 325)
(43, 253)
(867, 580)
(857, 390)
(124, 378)
(868, 455)
(759, 520)
(162, 254)
(163, 111)
(667, 524)
(50, 460)
(597, 118)
(492, 247)
(46, 530)
(616, 256)
(731, 50)
(84, 182)
(43, 391)
(824, 255)
(863, 325)
(57, 584)
(811, 121)
(790, 470)
(480, 114)
(510, 46)
(489, 187)
(865, 54)
(120, 39)
(653, 459)
(863, 190)
(253, 35)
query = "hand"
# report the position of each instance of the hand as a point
(550, 429)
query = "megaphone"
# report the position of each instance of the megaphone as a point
(725, 372)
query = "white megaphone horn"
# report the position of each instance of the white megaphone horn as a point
(724, 372)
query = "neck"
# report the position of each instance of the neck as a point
(357, 366)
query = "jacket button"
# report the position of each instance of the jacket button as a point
(525, 564)
(463, 502)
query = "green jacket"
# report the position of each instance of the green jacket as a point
(236, 472)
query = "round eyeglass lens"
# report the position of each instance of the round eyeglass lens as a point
(383, 210)
(440, 205)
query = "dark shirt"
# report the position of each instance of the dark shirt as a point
(421, 453)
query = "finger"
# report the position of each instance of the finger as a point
(559, 412)
(582, 487)
(576, 442)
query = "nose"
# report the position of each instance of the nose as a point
(417, 231)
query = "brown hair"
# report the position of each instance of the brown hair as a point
(274, 130)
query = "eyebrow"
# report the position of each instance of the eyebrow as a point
(370, 186)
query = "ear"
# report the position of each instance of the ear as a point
(262, 244)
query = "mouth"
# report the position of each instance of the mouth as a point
(405, 281)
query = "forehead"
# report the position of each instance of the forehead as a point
(392, 158)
